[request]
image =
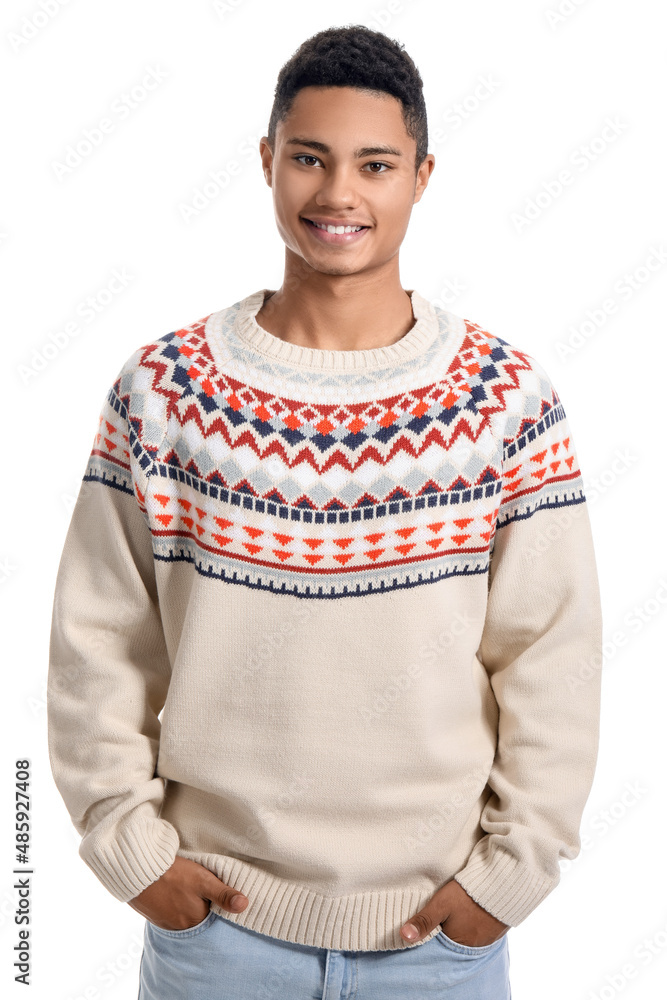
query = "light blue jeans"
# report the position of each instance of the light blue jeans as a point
(218, 959)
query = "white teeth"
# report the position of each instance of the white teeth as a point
(339, 229)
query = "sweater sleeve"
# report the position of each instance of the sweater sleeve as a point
(108, 666)
(541, 647)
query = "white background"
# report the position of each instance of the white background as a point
(553, 81)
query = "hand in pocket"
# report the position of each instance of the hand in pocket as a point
(182, 896)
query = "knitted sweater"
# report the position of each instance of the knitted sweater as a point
(328, 623)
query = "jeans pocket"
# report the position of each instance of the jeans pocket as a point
(468, 949)
(185, 931)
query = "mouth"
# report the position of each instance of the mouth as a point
(340, 235)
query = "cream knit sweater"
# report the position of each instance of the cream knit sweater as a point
(328, 623)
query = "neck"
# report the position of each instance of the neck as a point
(338, 312)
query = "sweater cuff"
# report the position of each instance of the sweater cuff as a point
(505, 887)
(137, 856)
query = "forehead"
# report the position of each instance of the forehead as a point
(346, 116)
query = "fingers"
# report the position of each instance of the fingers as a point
(174, 901)
(222, 894)
(431, 915)
(419, 925)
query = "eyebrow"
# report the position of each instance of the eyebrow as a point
(362, 151)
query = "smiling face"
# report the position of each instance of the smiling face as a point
(343, 157)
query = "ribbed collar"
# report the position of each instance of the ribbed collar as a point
(416, 340)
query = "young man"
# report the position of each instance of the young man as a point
(338, 537)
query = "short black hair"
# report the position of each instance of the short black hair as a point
(354, 56)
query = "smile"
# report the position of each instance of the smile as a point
(335, 234)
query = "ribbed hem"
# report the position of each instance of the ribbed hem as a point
(507, 889)
(416, 340)
(366, 921)
(135, 858)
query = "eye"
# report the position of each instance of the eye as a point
(378, 164)
(306, 156)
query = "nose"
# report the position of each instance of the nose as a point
(337, 190)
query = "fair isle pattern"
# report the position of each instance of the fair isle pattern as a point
(335, 498)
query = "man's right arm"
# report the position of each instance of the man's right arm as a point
(108, 679)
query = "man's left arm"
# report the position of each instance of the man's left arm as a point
(542, 649)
